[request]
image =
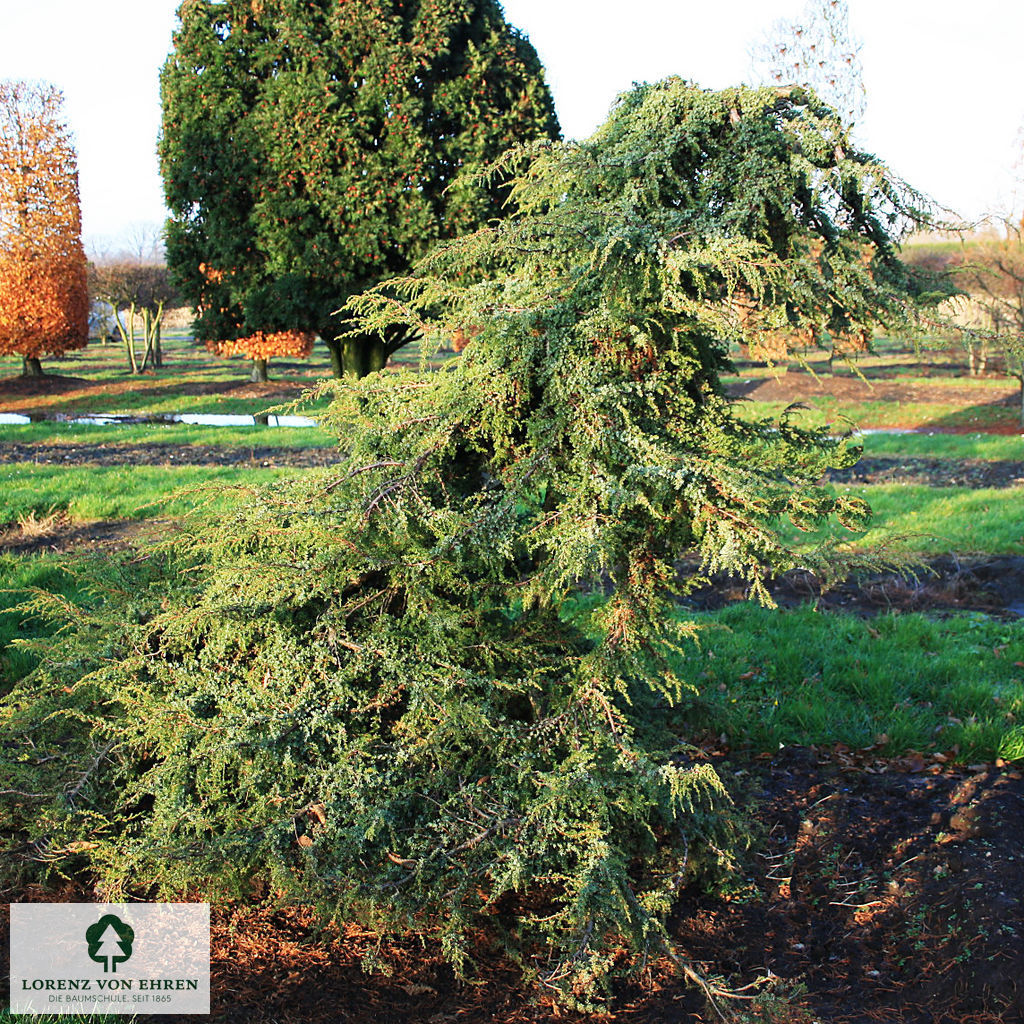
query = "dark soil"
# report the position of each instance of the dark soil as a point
(115, 454)
(58, 536)
(46, 385)
(992, 584)
(931, 472)
(878, 891)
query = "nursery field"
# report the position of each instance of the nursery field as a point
(874, 733)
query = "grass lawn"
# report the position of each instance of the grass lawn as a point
(19, 577)
(768, 677)
(825, 411)
(90, 493)
(921, 520)
(183, 359)
(944, 446)
(192, 380)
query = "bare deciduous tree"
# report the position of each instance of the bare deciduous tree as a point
(818, 50)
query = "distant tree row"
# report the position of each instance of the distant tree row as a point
(986, 315)
(313, 148)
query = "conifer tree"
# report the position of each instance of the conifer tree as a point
(429, 687)
(44, 298)
(312, 149)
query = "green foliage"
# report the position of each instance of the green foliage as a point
(312, 149)
(360, 686)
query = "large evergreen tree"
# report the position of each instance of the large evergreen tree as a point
(312, 149)
(377, 686)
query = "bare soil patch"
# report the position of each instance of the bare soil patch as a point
(990, 584)
(60, 536)
(48, 385)
(797, 386)
(160, 454)
(931, 472)
(878, 891)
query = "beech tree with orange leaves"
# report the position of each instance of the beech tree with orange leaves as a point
(262, 345)
(44, 296)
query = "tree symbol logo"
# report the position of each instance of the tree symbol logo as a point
(110, 942)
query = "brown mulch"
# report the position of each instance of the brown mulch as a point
(877, 891)
(798, 386)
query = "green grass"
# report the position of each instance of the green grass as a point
(945, 446)
(181, 355)
(177, 433)
(19, 576)
(801, 677)
(916, 519)
(90, 493)
(167, 395)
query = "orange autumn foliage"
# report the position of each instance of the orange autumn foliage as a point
(44, 298)
(260, 345)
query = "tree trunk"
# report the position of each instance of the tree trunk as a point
(334, 347)
(128, 339)
(259, 371)
(151, 334)
(158, 348)
(31, 367)
(128, 335)
(147, 340)
(363, 356)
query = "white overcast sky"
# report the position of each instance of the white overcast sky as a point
(945, 99)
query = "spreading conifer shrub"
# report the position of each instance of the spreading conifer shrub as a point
(365, 688)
